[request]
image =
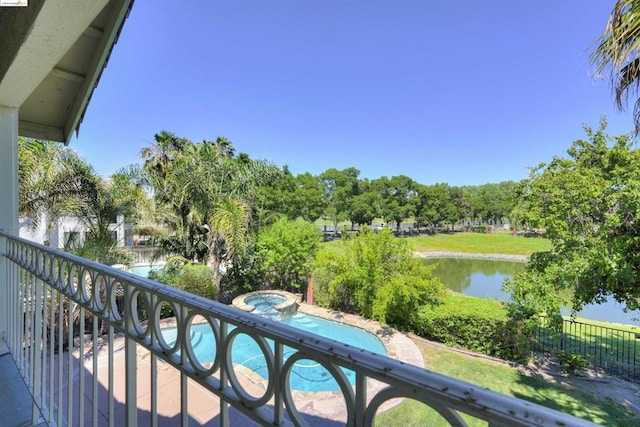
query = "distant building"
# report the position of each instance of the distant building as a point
(67, 229)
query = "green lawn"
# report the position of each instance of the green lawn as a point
(479, 243)
(573, 399)
(473, 243)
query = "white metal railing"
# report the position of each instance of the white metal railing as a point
(45, 287)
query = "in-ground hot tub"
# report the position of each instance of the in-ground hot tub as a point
(273, 304)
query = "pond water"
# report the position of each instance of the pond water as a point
(483, 278)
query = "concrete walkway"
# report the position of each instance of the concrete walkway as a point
(16, 405)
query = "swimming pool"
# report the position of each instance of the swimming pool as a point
(307, 375)
(143, 270)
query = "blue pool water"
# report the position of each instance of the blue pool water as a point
(143, 270)
(265, 305)
(307, 375)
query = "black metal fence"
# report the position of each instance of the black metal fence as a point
(615, 351)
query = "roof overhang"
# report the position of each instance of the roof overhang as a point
(53, 53)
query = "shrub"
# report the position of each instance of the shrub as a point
(376, 276)
(286, 251)
(242, 276)
(478, 228)
(194, 278)
(197, 279)
(476, 324)
(573, 363)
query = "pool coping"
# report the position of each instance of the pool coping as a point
(289, 300)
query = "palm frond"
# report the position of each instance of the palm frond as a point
(617, 52)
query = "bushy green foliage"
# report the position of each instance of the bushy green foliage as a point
(478, 228)
(194, 278)
(286, 251)
(242, 276)
(105, 251)
(573, 363)
(476, 324)
(376, 276)
(589, 205)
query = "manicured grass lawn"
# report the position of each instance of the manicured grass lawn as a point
(479, 243)
(472, 243)
(500, 377)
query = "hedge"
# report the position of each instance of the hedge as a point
(476, 324)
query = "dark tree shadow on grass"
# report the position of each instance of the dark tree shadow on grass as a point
(574, 400)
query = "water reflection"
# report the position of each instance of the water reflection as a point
(475, 277)
(483, 278)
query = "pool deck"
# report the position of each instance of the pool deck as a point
(318, 408)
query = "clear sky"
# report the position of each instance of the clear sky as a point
(463, 92)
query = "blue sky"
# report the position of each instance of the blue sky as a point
(463, 92)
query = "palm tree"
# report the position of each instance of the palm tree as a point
(617, 54)
(52, 180)
(204, 195)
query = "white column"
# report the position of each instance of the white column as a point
(8, 199)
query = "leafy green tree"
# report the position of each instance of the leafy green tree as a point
(204, 196)
(278, 196)
(286, 251)
(398, 196)
(364, 207)
(439, 204)
(617, 54)
(491, 202)
(339, 189)
(589, 205)
(376, 276)
(309, 197)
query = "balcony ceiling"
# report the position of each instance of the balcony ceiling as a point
(53, 53)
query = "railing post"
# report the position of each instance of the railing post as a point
(37, 328)
(361, 399)
(224, 378)
(131, 418)
(4, 292)
(278, 401)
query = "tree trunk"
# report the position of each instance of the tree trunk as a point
(214, 263)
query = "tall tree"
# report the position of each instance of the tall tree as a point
(439, 204)
(617, 54)
(364, 207)
(339, 189)
(398, 196)
(309, 197)
(53, 180)
(205, 196)
(491, 202)
(589, 205)
(277, 196)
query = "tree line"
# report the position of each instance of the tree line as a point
(341, 195)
